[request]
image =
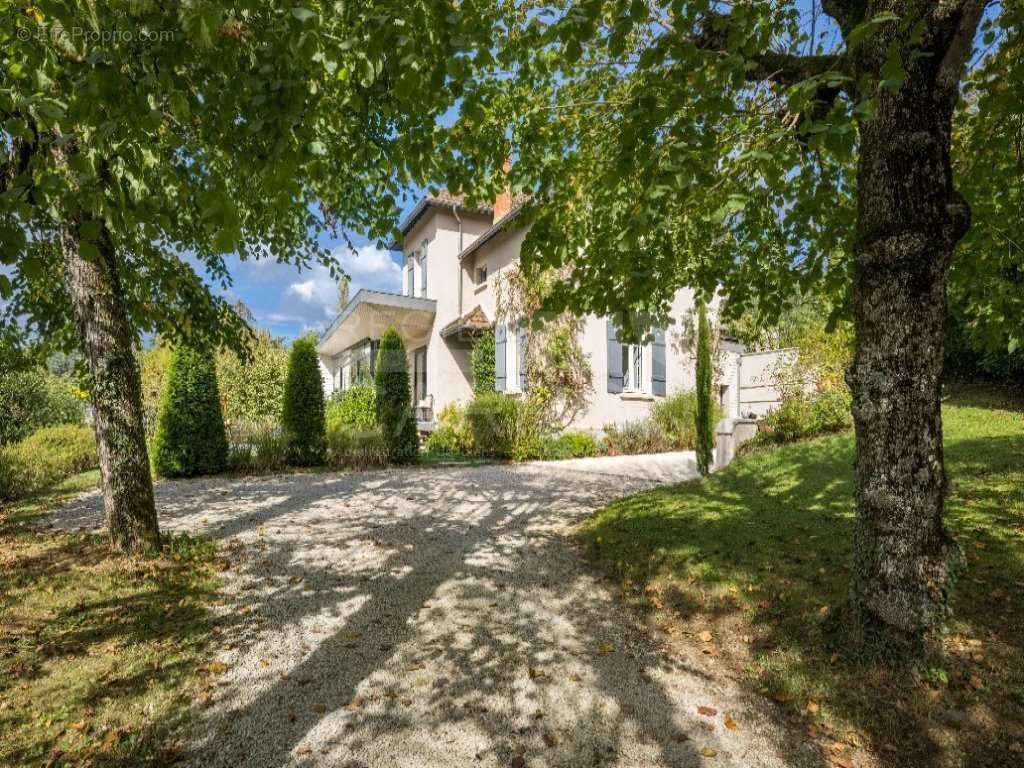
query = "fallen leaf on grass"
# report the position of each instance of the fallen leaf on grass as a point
(550, 739)
(320, 708)
(303, 750)
(704, 637)
(536, 672)
(709, 752)
(976, 682)
(605, 648)
(264, 663)
(843, 761)
(216, 667)
(812, 707)
(707, 711)
(729, 723)
(111, 740)
(80, 726)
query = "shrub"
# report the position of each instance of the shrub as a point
(802, 416)
(190, 438)
(257, 448)
(394, 400)
(482, 362)
(705, 426)
(355, 408)
(35, 398)
(452, 435)
(676, 415)
(302, 412)
(633, 437)
(45, 457)
(495, 424)
(349, 448)
(252, 389)
(579, 444)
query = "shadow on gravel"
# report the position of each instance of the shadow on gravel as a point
(392, 619)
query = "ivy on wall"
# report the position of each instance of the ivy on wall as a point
(559, 379)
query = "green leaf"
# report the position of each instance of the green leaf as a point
(303, 14)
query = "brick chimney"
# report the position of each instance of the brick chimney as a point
(503, 202)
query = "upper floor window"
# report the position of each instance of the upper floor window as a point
(423, 270)
(480, 276)
(410, 275)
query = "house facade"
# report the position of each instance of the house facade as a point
(452, 255)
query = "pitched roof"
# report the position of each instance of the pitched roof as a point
(473, 321)
(443, 199)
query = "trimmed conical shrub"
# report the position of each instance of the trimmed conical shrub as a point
(705, 405)
(394, 400)
(190, 438)
(302, 414)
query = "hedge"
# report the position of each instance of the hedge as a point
(45, 457)
(302, 415)
(190, 438)
(35, 398)
(354, 408)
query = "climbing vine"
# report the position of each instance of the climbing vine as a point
(559, 379)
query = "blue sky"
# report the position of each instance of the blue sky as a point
(288, 302)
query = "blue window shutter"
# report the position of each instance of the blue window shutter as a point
(658, 362)
(499, 358)
(521, 356)
(614, 359)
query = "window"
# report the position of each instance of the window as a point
(423, 270)
(481, 275)
(419, 364)
(410, 275)
(633, 368)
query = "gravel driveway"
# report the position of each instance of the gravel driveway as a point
(442, 617)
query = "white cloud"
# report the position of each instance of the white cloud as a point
(314, 298)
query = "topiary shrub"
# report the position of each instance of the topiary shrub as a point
(705, 409)
(190, 438)
(355, 408)
(481, 359)
(45, 457)
(302, 412)
(394, 400)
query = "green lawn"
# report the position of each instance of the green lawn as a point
(759, 556)
(100, 656)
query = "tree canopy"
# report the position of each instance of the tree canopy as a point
(188, 132)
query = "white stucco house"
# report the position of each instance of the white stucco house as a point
(452, 253)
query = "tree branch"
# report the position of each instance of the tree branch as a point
(846, 13)
(772, 66)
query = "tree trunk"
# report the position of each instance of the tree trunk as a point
(107, 343)
(910, 219)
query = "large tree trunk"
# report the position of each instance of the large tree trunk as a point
(107, 343)
(910, 219)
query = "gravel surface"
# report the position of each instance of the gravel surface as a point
(442, 617)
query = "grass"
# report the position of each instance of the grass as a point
(99, 654)
(748, 564)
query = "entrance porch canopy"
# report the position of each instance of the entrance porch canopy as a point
(370, 313)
